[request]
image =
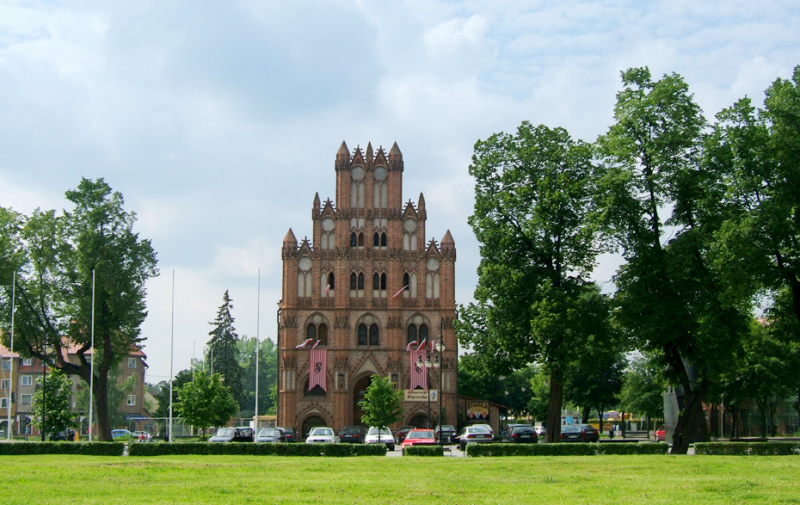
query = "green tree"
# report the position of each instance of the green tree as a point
(539, 403)
(54, 257)
(52, 399)
(754, 155)
(596, 382)
(206, 402)
(476, 380)
(538, 242)
(643, 388)
(657, 208)
(267, 373)
(223, 349)
(162, 396)
(118, 392)
(382, 403)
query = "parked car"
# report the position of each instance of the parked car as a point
(380, 436)
(352, 435)
(238, 434)
(269, 435)
(487, 427)
(661, 434)
(592, 434)
(571, 433)
(402, 432)
(473, 434)
(142, 436)
(121, 434)
(65, 436)
(505, 434)
(445, 433)
(322, 435)
(289, 435)
(523, 434)
(419, 437)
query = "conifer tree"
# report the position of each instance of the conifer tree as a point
(223, 348)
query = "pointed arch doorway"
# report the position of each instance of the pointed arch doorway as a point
(359, 391)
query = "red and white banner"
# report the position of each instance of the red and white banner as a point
(318, 364)
(419, 375)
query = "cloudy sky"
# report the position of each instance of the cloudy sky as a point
(218, 121)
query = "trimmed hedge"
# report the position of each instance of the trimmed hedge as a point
(82, 448)
(564, 449)
(251, 449)
(747, 448)
(424, 450)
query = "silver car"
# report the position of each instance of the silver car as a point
(380, 436)
(322, 435)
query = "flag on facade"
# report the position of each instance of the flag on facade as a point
(419, 375)
(408, 347)
(308, 341)
(401, 290)
(422, 345)
(327, 288)
(318, 365)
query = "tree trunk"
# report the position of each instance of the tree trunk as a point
(101, 407)
(553, 427)
(600, 419)
(585, 415)
(690, 420)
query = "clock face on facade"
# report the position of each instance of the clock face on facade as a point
(328, 224)
(304, 264)
(357, 174)
(432, 264)
(410, 225)
(380, 174)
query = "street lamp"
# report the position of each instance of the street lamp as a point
(440, 349)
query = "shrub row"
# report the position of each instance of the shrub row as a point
(424, 450)
(747, 448)
(335, 450)
(84, 448)
(564, 449)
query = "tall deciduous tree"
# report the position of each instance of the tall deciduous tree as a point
(206, 401)
(54, 257)
(223, 348)
(596, 381)
(532, 216)
(655, 199)
(643, 388)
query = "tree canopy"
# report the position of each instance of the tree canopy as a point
(382, 403)
(206, 401)
(54, 257)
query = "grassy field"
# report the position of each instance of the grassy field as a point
(368, 480)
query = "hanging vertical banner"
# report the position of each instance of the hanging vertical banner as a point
(318, 364)
(419, 376)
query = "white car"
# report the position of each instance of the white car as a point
(380, 436)
(322, 435)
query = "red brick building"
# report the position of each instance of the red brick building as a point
(339, 289)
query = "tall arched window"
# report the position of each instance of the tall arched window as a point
(376, 240)
(383, 282)
(417, 333)
(357, 187)
(410, 280)
(362, 334)
(327, 284)
(353, 281)
(317, 331)
(383, 240)
(374, 335)
(376, 282)
(360, 281)
(353, 239)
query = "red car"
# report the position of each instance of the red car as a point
(419, 437)
(661, 434)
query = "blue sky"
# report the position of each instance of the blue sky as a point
(219, 121)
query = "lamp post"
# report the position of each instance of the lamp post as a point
(439, 363)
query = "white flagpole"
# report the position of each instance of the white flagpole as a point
(91, 367)
(11, 352)
(171, 353)
(258, 343)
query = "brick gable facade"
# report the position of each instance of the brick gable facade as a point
(339, 287)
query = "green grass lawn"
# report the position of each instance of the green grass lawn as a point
(377, 480)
